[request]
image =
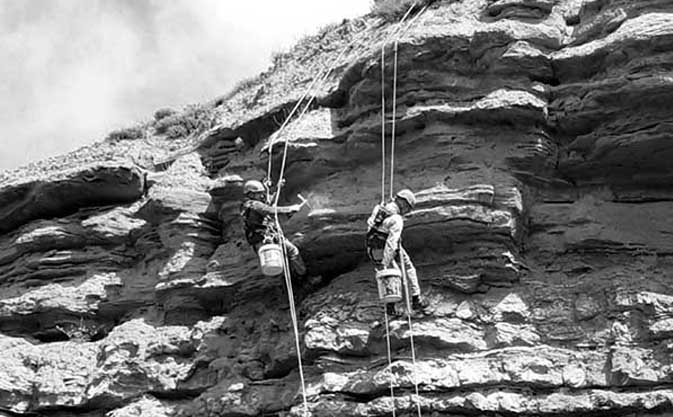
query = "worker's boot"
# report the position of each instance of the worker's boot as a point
(418, 303)
(390, 310)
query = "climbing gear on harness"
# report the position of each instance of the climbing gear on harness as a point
(408, 196)
(257, 226)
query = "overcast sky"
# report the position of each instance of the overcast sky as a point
(72, 70)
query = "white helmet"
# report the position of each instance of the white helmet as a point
(253, 186)
(407, 196)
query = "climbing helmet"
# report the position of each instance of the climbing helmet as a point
(253, 186)
(408, 196)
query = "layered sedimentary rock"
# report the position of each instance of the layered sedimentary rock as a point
(535, 134)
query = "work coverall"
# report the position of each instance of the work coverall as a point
(259, 223)
(392, 227)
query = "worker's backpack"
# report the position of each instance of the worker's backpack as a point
(375, 240)
(258, 227)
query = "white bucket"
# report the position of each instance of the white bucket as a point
(271, 259)
(389, 282)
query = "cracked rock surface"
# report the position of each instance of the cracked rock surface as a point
(536, 135)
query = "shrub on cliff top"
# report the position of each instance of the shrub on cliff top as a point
(194, 118)
(127, 133)
(394, 9)
(162, 113)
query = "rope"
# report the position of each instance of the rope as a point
(287, 142)
(286, 268)
(390, 363)
(282, 127)
(383, 124)
(320, 79)
(293, 315)
(394, 118)
(403, 267)
(392, 129)
(393, 33)
(396, 33)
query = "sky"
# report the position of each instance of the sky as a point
(73, 70)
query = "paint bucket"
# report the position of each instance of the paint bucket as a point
(389, 282)
(271, 259)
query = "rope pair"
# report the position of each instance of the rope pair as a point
(397, 34)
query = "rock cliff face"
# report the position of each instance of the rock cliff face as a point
(536, 134)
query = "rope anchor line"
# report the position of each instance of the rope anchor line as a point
(397, 33)
(286, 268)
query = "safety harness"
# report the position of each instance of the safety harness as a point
(375, 240)
(258, 227)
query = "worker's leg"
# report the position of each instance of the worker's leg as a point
(296, 262)
(412, 278)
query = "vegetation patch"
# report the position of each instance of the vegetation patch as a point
(243, 84)
(391, 10)
(127, 133)
(163, 113)
(194, 118)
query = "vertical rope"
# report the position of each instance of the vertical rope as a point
(403, 267)
(304, 110)
(282, 127)
(394, 33)
(286, 269)
(383, 124)
(394, 116)
(394, 109)
(319, 79)
(390, 361)
(293, 315)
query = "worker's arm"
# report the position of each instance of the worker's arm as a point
(268, 209)
(372, 217)
(394, 224)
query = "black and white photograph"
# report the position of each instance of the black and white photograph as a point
(336, 208)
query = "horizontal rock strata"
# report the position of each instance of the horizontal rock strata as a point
(535, 135)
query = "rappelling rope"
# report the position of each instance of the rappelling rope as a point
(390, 364)
(393, 33)
(286, 269)
(319, 80)
(383, 177)
(392, 129)
(392, 172)
(383, 129)
(282, 127)
(293, 315)
(323, 78)
(403, 267)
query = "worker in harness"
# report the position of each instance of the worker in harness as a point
(260, 228)
(384, 244)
